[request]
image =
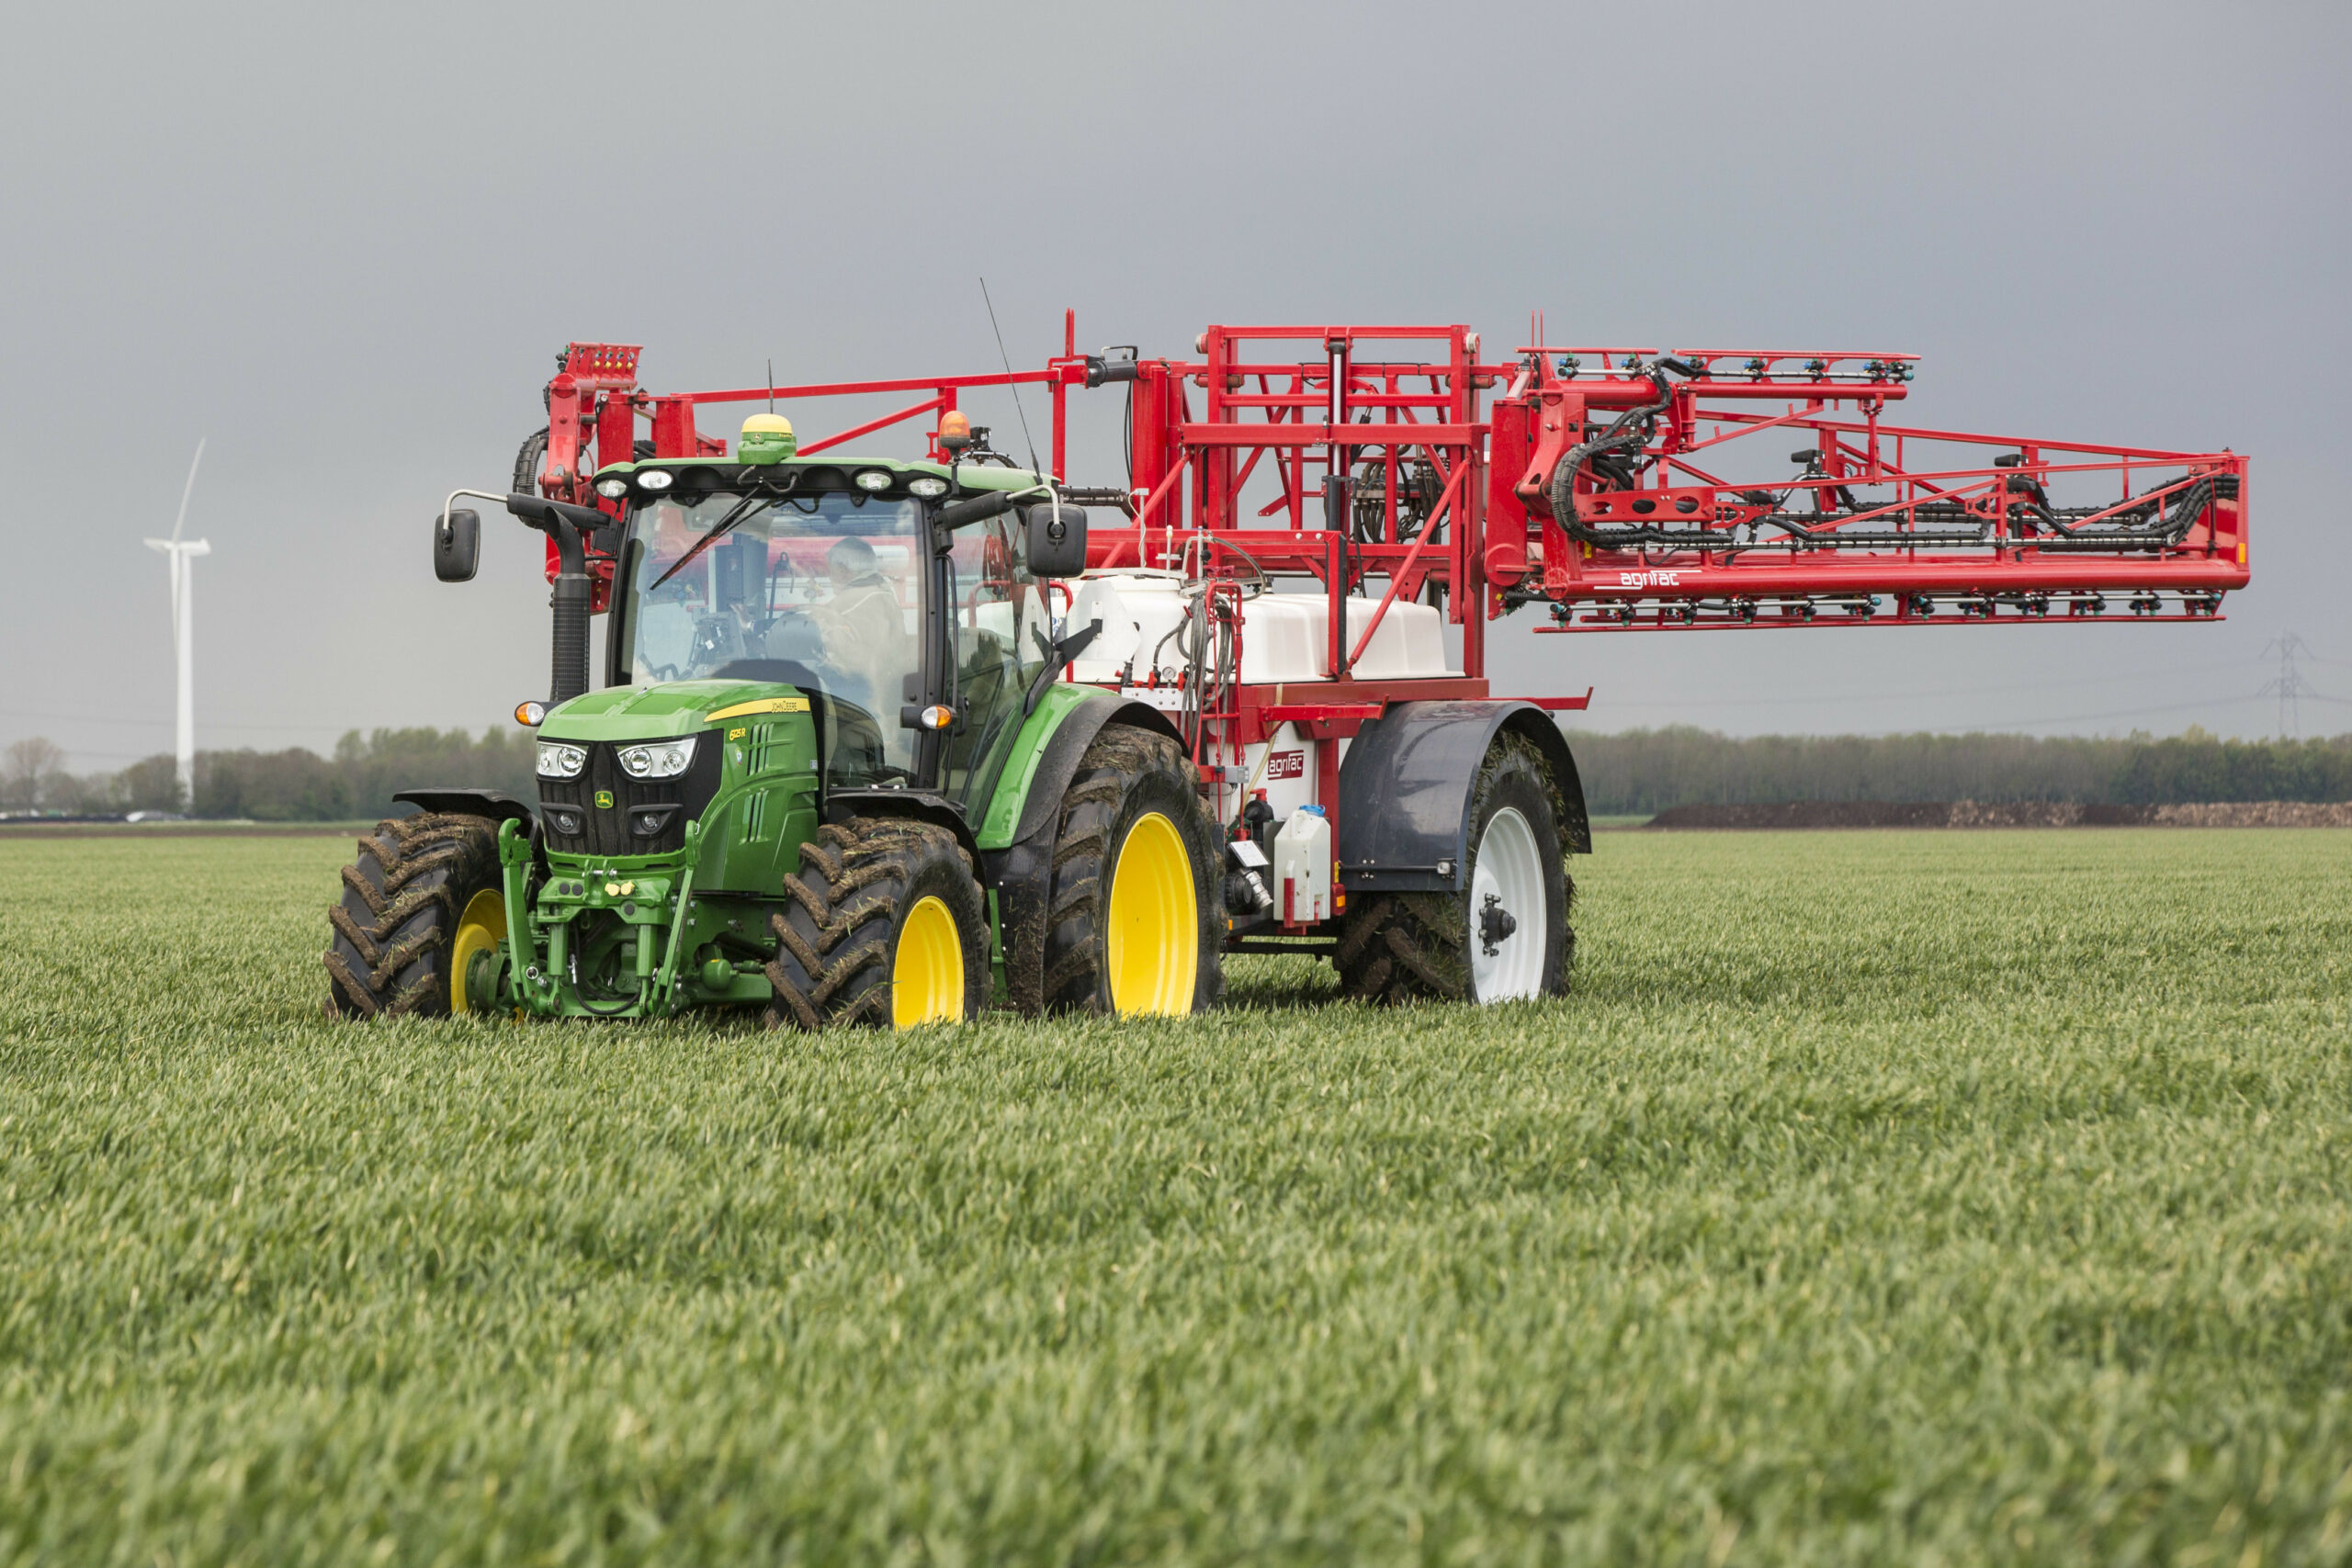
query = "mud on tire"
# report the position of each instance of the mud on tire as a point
(837, 941)
(401, 899)
(1397, 947)
(1125, 774)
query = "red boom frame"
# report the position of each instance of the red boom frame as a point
(1958, 532)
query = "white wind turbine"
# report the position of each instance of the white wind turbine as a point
(182, 553)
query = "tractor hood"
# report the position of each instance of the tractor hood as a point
(653, 713)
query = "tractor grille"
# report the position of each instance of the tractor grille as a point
(606, 832)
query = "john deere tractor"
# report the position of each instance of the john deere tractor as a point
(830, 771)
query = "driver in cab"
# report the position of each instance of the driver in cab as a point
(864, 631)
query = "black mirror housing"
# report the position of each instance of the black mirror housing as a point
(457, 546)
(1057, 545)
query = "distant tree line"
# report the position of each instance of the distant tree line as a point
(1641, 771)
(1648, 770)
(292, 785)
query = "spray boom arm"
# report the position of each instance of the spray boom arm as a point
(1625, 488)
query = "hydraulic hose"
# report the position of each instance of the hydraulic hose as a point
(1620, 433)
(2160, 527)
(527, 461)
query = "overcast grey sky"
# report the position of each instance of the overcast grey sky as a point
(344, 244)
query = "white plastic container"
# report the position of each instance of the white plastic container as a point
(1302, 871)
(1285, 637)
(1141, 615)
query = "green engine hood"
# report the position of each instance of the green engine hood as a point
(680, 707)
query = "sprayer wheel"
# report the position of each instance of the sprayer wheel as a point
(884, 925)
(418, 886)
(1133, 916)
(1397, 947)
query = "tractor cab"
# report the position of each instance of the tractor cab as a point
(901, 598)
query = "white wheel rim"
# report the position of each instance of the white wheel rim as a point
(1506, 875)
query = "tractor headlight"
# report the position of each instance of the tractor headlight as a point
(612, 489)
(873, 480)
(661, 760)
(558, 760)
(927, 487)
(656, 478)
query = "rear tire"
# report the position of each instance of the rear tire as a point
(418, 899)
(1397, 947)
(1133, 920)
(886, 926)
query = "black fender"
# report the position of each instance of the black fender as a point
(1020, 873)
(1404, 807)
(496, 804)
(921, 804)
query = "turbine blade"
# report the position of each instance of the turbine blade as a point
(187, 490)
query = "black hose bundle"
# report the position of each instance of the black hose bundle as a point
(1622, 432)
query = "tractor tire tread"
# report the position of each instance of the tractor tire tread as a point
(855, 882)
(402, 896)
(1121, 764)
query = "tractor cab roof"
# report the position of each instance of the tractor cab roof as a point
(832, 470)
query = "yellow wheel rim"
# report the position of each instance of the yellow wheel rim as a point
(480, 930)
(1154, 933)
(927, 976)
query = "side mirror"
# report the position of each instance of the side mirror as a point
(1057, 545)
(457, 546)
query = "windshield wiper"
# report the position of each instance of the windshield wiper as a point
(736, 514)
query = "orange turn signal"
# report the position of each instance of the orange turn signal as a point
(936, 717)
(528, 714)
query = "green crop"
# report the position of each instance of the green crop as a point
(1875, 1198)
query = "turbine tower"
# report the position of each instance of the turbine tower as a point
(182, 554)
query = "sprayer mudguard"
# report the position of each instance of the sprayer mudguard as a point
(1405, 786)
(1017, 832)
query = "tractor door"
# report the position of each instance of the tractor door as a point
(999, 621)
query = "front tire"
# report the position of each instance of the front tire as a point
(886, 926)
(1506, 935)
(421, 899)
(1134, 924)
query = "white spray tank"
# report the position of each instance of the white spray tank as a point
(1302, 867)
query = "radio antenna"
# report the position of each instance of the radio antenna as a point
(770, 383)
(1025, 436)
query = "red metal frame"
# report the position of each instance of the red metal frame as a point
(594, 399)
(1279, 403)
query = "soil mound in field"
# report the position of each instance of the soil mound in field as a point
(2009, 814)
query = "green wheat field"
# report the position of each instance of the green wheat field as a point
(1933, 1198)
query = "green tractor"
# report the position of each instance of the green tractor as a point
(831, 772)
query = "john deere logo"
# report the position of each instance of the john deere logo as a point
(605, 799)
